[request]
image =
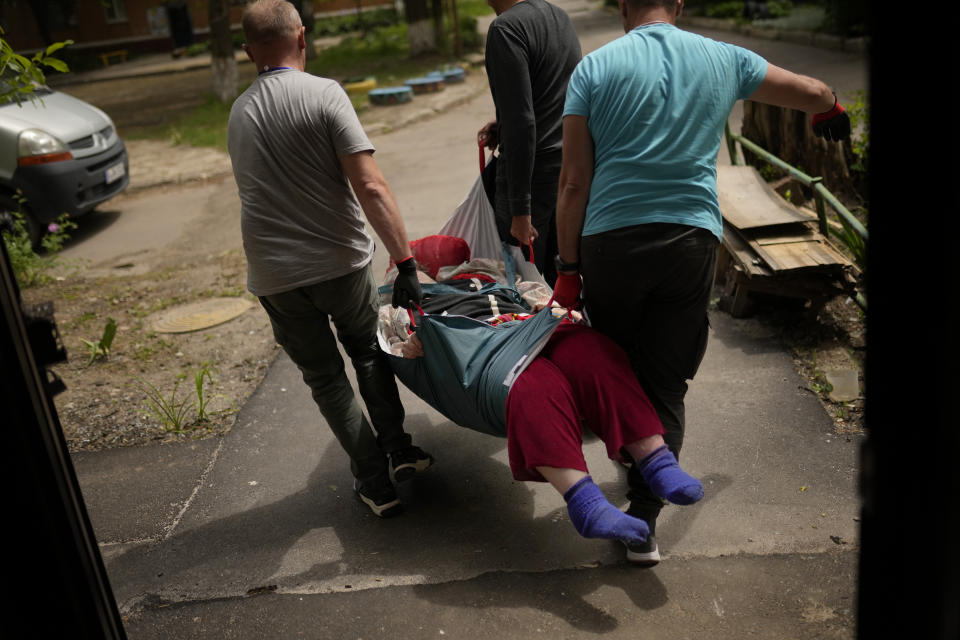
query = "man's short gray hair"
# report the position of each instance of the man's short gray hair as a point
(267, 21)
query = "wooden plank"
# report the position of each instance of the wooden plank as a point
(743, 254)
(747, 201)
(792, 256)
(783, 233)
(806, 254)
(787, 247)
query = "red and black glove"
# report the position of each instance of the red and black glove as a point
(566, 291)
(833, 124)
(406, 288)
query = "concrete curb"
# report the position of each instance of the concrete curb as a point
(136, 189)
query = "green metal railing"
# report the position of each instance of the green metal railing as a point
(854, 234)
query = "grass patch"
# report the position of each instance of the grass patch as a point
(202, 126)
(382, 52)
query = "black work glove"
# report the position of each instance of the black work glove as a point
(833, 124)
(406, 288)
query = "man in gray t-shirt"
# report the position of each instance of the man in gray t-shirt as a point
(297, 148)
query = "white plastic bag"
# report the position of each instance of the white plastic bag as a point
(473, 220)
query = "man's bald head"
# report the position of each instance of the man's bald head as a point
(268, 22)
(669, 5)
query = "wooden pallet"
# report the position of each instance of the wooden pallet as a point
(771, 246)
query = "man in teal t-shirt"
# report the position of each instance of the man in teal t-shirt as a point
(637, 212)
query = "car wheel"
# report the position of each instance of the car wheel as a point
(35, 230)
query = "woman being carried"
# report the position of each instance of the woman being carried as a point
(581, 378)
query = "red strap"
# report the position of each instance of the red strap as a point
(531, 251)
(483, 155)
(413, 322)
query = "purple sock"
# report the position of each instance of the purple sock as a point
(594, 517)
(666, 479)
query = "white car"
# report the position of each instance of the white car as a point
(62, 154)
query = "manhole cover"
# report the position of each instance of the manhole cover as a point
(200, 315)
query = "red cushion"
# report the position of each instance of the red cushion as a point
(434, 252)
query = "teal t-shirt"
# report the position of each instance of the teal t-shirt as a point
(656, 101)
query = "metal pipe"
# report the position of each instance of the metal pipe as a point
(809, 181)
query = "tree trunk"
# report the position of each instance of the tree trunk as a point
(39, 10)
(420, 34)
(457, 40)
(223, 64)
(786, 133)
(305, 9)
(436, 8)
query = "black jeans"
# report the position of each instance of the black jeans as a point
(648, 287)
(301, 325)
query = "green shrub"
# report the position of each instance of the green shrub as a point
(732, 9)
(197, 48)
(29, 267)
(779, 8)
(859, 113)
(338, 25)
(469, 36)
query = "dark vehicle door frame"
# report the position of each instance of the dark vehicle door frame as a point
(58, 567)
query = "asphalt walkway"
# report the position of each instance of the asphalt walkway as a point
(257, 534)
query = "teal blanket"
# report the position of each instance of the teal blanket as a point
(470, 366)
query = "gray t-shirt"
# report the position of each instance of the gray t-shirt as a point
(300, 220)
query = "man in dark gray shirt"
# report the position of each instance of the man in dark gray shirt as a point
(531, 51)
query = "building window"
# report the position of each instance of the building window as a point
(116, 10)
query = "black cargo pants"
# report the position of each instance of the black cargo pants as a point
(648, 287)
(301, 321)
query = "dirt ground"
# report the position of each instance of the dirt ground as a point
(832, 340)
(107, 401)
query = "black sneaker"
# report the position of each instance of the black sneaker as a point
(380, 497)
(408, 462)
(645, 554)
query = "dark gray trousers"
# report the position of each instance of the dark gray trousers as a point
(301, 325)
(543, 217)
(647, 287)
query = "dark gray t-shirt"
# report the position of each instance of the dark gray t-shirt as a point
(300, 220)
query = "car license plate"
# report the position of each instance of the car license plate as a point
(114, 173)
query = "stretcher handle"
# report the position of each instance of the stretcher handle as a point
(413, 322)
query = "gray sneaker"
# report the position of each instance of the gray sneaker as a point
(381, 497)
(645, 554)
